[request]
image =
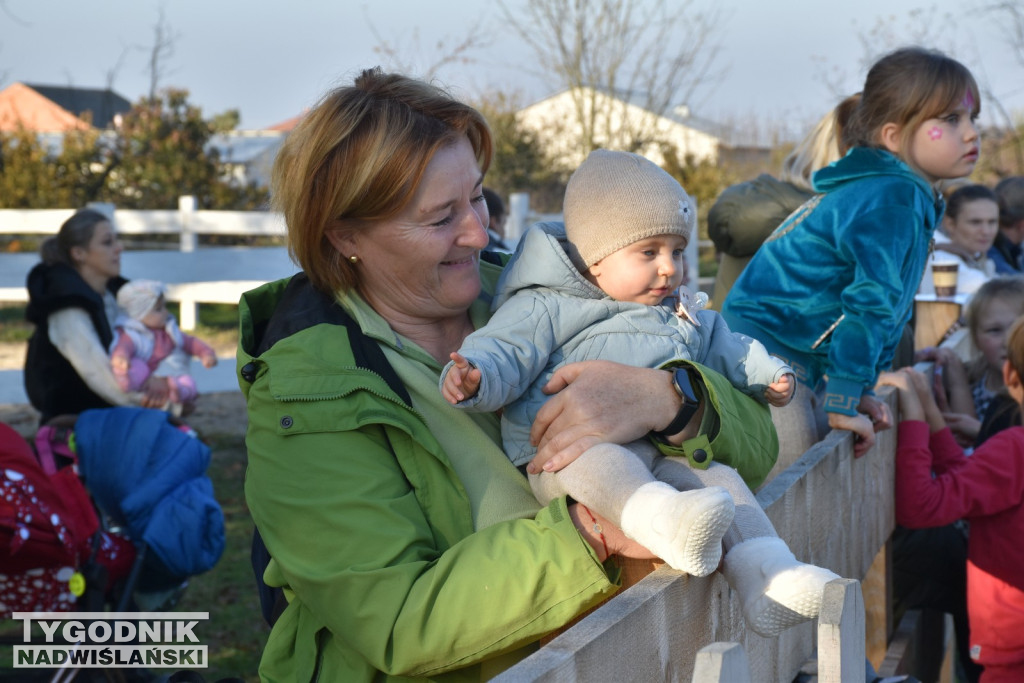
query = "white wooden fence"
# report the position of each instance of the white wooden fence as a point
(188, 222)
(833, 510)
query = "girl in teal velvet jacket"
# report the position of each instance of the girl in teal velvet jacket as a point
(833, 287)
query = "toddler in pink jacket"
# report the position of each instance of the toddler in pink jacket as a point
(148, 341)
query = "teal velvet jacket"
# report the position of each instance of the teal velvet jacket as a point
(832, 288)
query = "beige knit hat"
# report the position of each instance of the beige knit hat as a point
(617, 198)
(138, 297)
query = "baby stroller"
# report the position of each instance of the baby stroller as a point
(111, 510)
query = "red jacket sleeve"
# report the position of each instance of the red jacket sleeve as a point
(936, 484)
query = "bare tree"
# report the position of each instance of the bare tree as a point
(160, 52)
(1009, 17)
(920, 26)
(945, 31)
(619, 59)
(445, 52)
(11, 15)
(111, 74)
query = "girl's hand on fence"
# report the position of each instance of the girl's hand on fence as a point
(910, 404)
(860, 425)
(964, 427)
(877, 411)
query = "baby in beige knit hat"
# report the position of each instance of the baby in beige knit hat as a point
(598, 288)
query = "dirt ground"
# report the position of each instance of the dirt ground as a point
(220, 413)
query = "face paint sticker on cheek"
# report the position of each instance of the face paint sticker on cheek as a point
(935, 133)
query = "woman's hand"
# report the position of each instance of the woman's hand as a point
(599, 402)
(156, 392)
(604, 537)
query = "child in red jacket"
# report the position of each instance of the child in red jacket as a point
(937, 484)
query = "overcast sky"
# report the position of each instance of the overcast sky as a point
(270, 60)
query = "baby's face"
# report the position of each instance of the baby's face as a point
(157, 316)
(643, 272)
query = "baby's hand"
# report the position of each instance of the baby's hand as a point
(462, 381)
(209, 360)
(780, 393)
(119, 364)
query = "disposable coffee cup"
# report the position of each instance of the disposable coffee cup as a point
(944, 277)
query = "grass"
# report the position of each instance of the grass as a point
(236, 631)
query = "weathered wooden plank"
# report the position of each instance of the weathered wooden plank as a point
(721, 663)
(841, 633)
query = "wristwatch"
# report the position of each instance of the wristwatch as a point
(682, 383)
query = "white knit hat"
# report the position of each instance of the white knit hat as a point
(617, 198)
(138, 297)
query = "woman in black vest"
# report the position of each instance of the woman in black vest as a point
(72, 305)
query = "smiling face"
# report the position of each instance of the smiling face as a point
(975, 225)
(944, 147)
(100, 261)
(644, 272)
(422, 265)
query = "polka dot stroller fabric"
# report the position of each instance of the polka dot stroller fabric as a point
(50, 537)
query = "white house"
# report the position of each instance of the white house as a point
(619, 123)
(247, 155)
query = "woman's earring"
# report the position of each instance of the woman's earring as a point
(353, 259)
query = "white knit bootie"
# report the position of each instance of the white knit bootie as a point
(776, 590)
(684, 528)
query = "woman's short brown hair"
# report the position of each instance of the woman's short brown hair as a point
(357, 157)
(907, 87)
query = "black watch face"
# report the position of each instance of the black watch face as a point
(682, 379)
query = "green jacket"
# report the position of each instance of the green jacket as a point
(371, 531)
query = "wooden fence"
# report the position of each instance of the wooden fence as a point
(833, 510)
(188, 222)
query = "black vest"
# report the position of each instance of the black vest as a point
(52, 385)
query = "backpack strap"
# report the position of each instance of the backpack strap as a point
(302, 306)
